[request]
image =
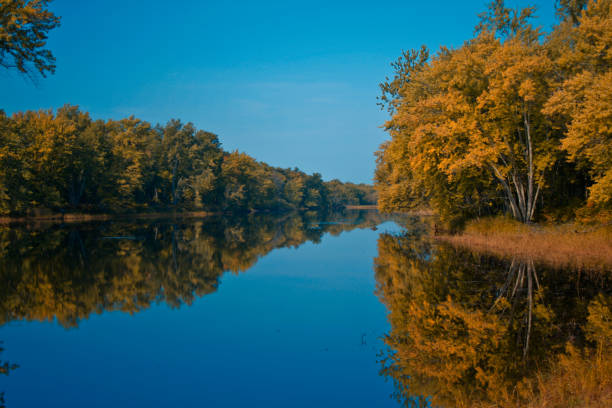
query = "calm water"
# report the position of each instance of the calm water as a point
(260, 311)
(296, 310)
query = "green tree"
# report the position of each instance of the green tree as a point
(65, 161)
(190, 159)
(134, 148)
(239, 180)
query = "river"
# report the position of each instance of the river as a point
(297, 310)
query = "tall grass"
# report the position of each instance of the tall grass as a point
(567, 245)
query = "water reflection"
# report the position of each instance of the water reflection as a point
(5, 368)
(466, 329)
(67, 272)
(473, 330)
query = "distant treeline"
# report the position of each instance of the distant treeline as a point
(514, 121)
(65, 161)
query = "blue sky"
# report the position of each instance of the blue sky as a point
(290, 83)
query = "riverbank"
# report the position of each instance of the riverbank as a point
(361, 207)
(80, 217)
(51, 218)
(567, 245)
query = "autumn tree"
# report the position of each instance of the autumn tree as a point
(10, 194)
(65, 161)
(478, 129)
(468, 119)
(55, 159)
(583, 98)
(190, 159)
(570, 9)
(134, 149)
(24, 25)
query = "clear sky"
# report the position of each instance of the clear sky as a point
(290, 83)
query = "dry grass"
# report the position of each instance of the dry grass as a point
(422, 212)
(567, 245)
(361, 207)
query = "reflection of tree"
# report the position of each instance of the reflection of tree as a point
(5, 369)
(470, 330)
(522, 277)
(68, 272)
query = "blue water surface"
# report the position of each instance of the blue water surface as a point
(300, 328)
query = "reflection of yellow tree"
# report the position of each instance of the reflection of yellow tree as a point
(67, 274)
(5, 369)
(582, 378)
(469, 330)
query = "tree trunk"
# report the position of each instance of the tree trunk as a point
(174, 183)
(77, 187)
(519, 189)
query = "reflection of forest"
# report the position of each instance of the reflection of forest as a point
(473, 330)
(5, 369)
(67, 272)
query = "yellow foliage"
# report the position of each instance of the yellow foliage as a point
(490, 126)
(471, 331)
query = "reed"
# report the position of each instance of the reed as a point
(567, 245)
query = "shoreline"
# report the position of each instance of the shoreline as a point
(80, 217)
(566, 245)
(361, 207)
(57, 218)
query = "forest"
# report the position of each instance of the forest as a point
(515, 121)
(64, 161)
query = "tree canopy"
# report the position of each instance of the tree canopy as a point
(511, 121)
(65, 161)
(24, 25)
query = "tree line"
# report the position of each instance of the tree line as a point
(65, 161)
(514, 121)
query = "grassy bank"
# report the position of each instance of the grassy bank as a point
(361, 207)
(567, 245)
